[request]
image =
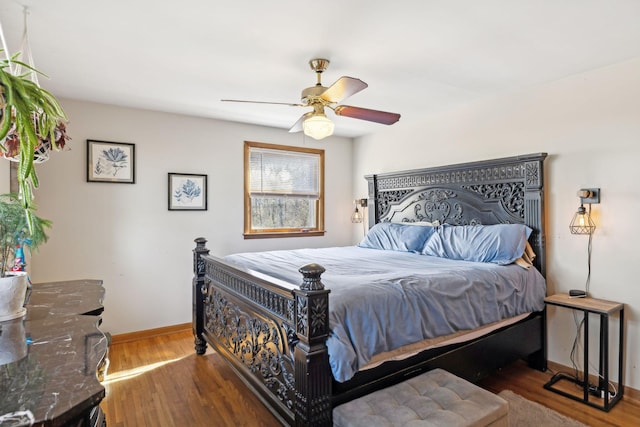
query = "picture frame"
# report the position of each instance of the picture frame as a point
(187, 192)
(113, 162)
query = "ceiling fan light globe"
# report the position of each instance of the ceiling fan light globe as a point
(318, 126)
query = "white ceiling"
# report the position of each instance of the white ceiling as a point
(419, 57)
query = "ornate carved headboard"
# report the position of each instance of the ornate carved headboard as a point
(507, 190)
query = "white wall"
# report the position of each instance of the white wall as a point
(590, 126)
(4, 176)
(124, 234)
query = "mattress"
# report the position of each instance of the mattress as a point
(382, 300)
(412, 349)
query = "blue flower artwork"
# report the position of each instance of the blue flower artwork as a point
(110, 162)
(187, 192)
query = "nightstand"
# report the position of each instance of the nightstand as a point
(600, 391)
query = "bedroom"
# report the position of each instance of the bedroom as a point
(587, 122)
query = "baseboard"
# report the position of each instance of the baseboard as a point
(557, 367)
(149, 333)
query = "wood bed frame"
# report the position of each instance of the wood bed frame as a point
(273, 334)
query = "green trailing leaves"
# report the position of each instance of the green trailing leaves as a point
(18, 227)
(31, 114)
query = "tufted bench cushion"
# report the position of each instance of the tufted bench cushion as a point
(435, 398)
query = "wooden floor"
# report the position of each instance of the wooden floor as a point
(160, 381)
(528, 383)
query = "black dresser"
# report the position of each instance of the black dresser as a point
(49, 359)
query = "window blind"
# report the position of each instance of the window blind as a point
(284, 173)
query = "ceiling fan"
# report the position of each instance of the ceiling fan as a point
(315, 123)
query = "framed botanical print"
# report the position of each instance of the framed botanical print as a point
(187, 192)
(111, 162)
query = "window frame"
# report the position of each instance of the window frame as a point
(249, 232)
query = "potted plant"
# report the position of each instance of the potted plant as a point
(30, 118)
(15, 234)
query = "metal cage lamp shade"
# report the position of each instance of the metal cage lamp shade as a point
(582, 222)
(357, 216)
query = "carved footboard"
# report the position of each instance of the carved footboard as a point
(273, 336)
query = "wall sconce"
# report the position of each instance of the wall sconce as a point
(357, 216)
(582, 222)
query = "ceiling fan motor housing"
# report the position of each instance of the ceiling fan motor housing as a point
(311, 94)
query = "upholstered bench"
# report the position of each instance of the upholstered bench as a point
(435, 398)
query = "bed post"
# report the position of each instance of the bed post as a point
(312, 374)
(534, 208)
(374, 213)
(534, 218)
(198, 292)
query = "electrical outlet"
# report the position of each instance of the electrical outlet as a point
(611, 394)
(597, 392)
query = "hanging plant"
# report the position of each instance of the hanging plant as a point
(30, 116)
(42, 150)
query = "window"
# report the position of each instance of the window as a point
(284, 191)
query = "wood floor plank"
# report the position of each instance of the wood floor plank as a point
(161, 382)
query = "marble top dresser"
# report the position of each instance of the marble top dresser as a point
(48, 359)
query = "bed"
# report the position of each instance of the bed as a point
(276, 333)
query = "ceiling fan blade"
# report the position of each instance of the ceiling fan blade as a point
(264, 102)
(367, 114)
(343, 88)
(297, 126)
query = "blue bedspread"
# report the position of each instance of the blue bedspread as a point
(381, 300)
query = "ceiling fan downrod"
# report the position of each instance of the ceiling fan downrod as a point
(319, 65)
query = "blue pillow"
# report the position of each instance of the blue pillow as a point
(397, 237)
(500, 243)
